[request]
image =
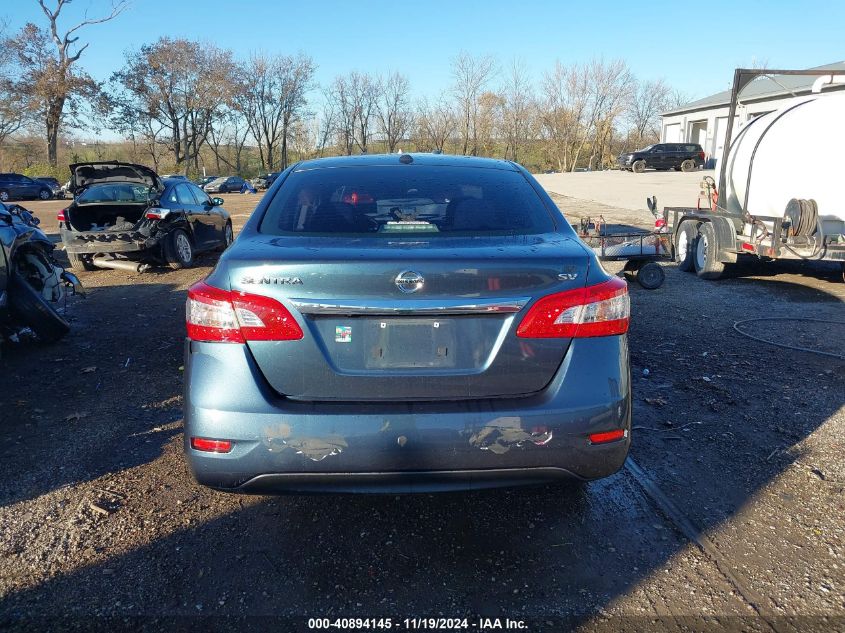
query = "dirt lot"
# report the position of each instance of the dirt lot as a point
(730, 513)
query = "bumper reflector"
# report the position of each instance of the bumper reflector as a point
(211, 446)
(608, 436)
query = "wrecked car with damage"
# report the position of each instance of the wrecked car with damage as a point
(124, 216)
(33, 285)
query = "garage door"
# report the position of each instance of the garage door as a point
(672, 133)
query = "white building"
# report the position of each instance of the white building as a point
(705, 121)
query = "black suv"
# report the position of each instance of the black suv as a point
(661, 156)
(19, 187)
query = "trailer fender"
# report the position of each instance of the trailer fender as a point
(725, 238)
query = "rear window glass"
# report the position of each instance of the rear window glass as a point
(122, 192)
(406, 199)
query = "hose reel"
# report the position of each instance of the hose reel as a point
(801, 217)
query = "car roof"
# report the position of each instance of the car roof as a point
(373, 160)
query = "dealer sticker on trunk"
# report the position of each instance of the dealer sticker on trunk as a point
(343, 334)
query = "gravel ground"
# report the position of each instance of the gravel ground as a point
(99, 515)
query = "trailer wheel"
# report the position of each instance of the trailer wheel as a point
(638, 167)
(707, 266)
(685, 246)
(687, 165)
(651, 276)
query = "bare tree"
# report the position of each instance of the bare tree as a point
(470, 76)
(435, 124)
(343, 106)
(13, 109)
(518, 109)
(489, 122)
(565, 112)
(49, 79)
(394, 112)
(648, 100)
(297, 81)
(180, 86)
(365, 91)
(273, 99)
(326, 123)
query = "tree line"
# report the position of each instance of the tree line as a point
(190, 107)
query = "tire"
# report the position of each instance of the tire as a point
(651, 276)
(178, 250)
(228, 236)
(79, 263)
(638, 167)
(32, 310)
(630, 270)
(706, 264)
(4, 195)
(45, 194)
(685, 246)
(687, 166)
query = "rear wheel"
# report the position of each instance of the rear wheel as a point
(32, 310)
(178, 250)
(228, 236)
(44, 194)
(4, 195)
(638, 167)
(707, 266)
(651, 275)
(687, 165)
(685, 246)
(80, 263)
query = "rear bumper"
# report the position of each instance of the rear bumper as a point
(107, 242)
(281, 445)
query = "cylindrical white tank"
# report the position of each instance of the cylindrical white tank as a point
(793, 152)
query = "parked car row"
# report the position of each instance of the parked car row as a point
(20, 187)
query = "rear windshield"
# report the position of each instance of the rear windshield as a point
(406, 199)
(115, 192)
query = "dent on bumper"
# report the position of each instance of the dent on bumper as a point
(280, 444)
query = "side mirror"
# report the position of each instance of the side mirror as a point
(217, 201)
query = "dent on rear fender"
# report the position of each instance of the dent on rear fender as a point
(504, 433)
(279, 437)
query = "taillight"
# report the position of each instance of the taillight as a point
(156, 214)
(211, 446)
(608, 436)
(599, 310)
(701, 155)
(232, 316)
(60, 216)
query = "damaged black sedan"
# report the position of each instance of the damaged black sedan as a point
(124, 216)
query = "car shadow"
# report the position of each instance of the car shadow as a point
(544, 553)
(115, 375)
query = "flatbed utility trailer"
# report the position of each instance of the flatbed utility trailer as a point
(705, 239)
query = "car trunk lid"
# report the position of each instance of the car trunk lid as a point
(83, 175)
(372, 334)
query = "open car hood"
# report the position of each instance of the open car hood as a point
(83, 175)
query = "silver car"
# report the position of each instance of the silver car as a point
(405, 323)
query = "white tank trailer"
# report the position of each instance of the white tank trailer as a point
(792, 153)
(783, 195)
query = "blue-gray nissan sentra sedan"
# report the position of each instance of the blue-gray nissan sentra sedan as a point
(396, 323)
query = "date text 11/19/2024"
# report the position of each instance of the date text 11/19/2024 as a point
(417, 624)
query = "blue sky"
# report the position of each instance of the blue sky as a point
(694, 46)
